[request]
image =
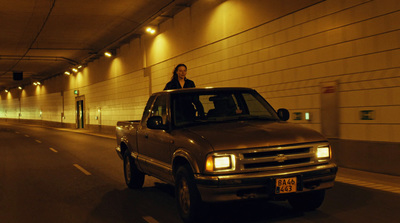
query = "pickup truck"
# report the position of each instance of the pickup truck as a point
(224, 144)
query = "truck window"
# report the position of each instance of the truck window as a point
(160, 108)
(146, 111)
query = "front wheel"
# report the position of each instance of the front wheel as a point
(307, 201)
(134, 178)
(187, 196)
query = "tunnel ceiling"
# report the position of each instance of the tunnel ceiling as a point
(43, 38)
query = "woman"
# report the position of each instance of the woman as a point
(179, 79)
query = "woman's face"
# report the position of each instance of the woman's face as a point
(181, 72)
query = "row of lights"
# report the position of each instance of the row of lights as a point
(73, 70)
(109, 53)
(36, 83)
(151, 30)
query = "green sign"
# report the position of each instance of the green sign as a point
(76, 92)
(367, 115)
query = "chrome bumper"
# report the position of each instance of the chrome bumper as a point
(262, 184)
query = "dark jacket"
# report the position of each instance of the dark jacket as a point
(174, 84)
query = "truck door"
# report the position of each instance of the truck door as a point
(155, 145)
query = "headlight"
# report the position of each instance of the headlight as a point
(323, 152)
(220, 163)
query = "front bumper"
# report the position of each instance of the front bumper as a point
(262, 184)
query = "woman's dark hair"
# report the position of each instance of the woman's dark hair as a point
(175, 73)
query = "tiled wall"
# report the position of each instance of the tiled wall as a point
(355, 43)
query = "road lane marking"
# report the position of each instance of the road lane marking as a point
(150, 219)
(27, 136)
(38, 141)
(53, 150)
(375, 186)
(82, 170)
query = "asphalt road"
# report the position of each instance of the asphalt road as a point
(50, 175)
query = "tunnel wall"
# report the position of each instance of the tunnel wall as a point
(283, 50)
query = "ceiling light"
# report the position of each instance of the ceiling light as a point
(67, 73)
(36, 83)
(80, 66)
(75, 70)
(20, 87)
(151, 30)
(110, 53)
(6, 91)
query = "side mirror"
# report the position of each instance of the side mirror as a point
(283, 114)
(155, 122)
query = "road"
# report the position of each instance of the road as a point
(53, 175)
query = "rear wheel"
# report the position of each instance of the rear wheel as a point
(187, 196)
(134, 178)
(308, 201)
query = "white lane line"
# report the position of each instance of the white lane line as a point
(27, 136)
(150, 219)
(82, 170)
(53, 150)
(375, 186)
(38, 141)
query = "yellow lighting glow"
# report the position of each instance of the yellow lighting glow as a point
(150, 30)
(20, 87)
(75, 70)
(108, 54)
(67, 73)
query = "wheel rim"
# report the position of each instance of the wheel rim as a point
(184, 196)
(127, 169)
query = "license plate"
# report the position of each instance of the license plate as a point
(285, 185)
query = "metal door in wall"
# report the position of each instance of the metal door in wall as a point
(80, 113)
(330, 109)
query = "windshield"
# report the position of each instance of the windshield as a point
(206, 107)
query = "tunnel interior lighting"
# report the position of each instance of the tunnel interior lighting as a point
(67, 73)
(110, 53)
(75, 70)
(36, 83)
(151, 30)
(20, 87)
(6, 91)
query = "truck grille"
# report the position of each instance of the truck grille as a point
(276, 157)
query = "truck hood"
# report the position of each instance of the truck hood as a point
(252, 134)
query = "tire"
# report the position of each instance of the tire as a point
(307, 201)
(189, 203)
(134, 178)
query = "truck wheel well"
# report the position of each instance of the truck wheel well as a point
(179, 161)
